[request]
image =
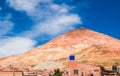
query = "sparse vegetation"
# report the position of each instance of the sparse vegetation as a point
(57, 72)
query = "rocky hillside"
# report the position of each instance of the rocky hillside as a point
(88, 46)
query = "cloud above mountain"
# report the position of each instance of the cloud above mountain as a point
(48, 18)
(6, 25)
(15, 45)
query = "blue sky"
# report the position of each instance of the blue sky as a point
(26, 24)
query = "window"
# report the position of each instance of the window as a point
(75, 71)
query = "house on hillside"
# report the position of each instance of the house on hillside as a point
(76, 69)
(11, 73)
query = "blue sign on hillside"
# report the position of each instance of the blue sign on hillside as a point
(72, 57)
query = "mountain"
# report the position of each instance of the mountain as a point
(89, 47)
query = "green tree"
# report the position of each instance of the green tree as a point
(57, 72)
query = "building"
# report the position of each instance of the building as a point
(11, 73)
(77, 69)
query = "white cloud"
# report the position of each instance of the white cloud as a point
(25, 5)
(12, 45)
(55, 27)
(60, 24)
(50, 18)
(6, 25)
(15, 45)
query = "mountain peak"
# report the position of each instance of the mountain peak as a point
(62, 46)
(82, 28)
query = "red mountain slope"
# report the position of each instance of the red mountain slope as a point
(89, 47)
